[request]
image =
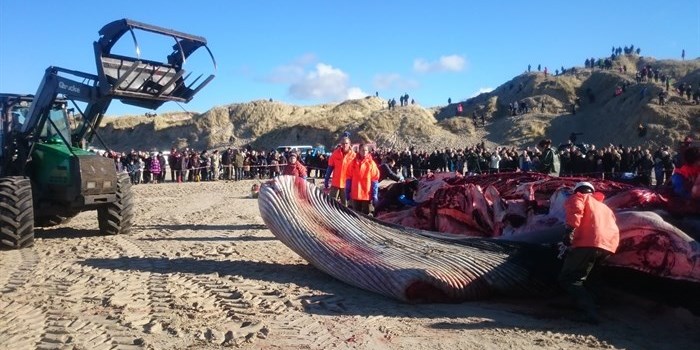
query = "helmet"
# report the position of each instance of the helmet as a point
(579, 186)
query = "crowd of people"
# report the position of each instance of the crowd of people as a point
(645, 166)
(403, 100)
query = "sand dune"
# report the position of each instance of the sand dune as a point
(602, 117)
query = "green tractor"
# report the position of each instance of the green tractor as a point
(46, 178)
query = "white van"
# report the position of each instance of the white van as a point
(303, 150)
(300, 149)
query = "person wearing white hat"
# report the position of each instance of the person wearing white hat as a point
(592, 235)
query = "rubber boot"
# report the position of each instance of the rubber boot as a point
(585, 302)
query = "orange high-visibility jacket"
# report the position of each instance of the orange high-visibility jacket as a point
(362, 172)
(340, 163)
(594, 222)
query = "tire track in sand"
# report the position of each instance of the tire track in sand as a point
(66, 324)
(57, 321)
(278, 315)
(157, 298)
(231, 313)
(305, 327)
(21, 324)
(25, 262)
(58, 318)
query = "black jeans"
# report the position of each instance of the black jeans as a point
(361, 206)
(577, 266)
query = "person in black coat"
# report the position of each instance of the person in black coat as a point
(397, 196)
(386, 170)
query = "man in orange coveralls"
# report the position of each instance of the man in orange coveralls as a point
(338, 164)
(363, 181)
(593, 235)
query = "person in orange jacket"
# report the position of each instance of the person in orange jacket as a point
(338, 164)
(593, 235)
(362, 184)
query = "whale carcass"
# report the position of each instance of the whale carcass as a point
(417, 265)
(395, 261)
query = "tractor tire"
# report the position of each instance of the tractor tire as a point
(116, 218)
(16, 212)
(53, 220)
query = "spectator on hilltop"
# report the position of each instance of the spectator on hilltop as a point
(662, 98)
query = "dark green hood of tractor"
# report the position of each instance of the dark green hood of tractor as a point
(74, 180)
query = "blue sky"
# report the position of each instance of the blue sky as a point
(307, 52)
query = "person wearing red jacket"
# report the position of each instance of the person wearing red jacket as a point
(362, 184)
(685, 179)
(593, 235)
(294, 167)
(336, 174)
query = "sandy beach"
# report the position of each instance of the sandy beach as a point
(201, 271)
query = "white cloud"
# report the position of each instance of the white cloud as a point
(325, 83)
(393, 81)
(285, 74)
(354, 93)
(306, 59)
(481, 91)
(320, 82)
(451, 63)
(292, 72)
